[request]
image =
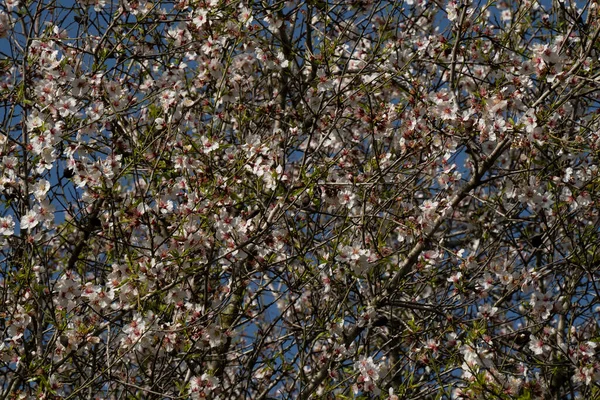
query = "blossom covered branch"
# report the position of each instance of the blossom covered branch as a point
(314, 199)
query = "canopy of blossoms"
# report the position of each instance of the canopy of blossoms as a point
(262, 199)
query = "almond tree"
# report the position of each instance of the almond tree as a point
(307, 199)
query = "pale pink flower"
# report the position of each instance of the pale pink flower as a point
(40, 189)
(30, 220)
(66, 107)
(584, 375)
(7, 226)
(538, 346)
(368, 369)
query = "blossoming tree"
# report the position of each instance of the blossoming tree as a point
(305, 199)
